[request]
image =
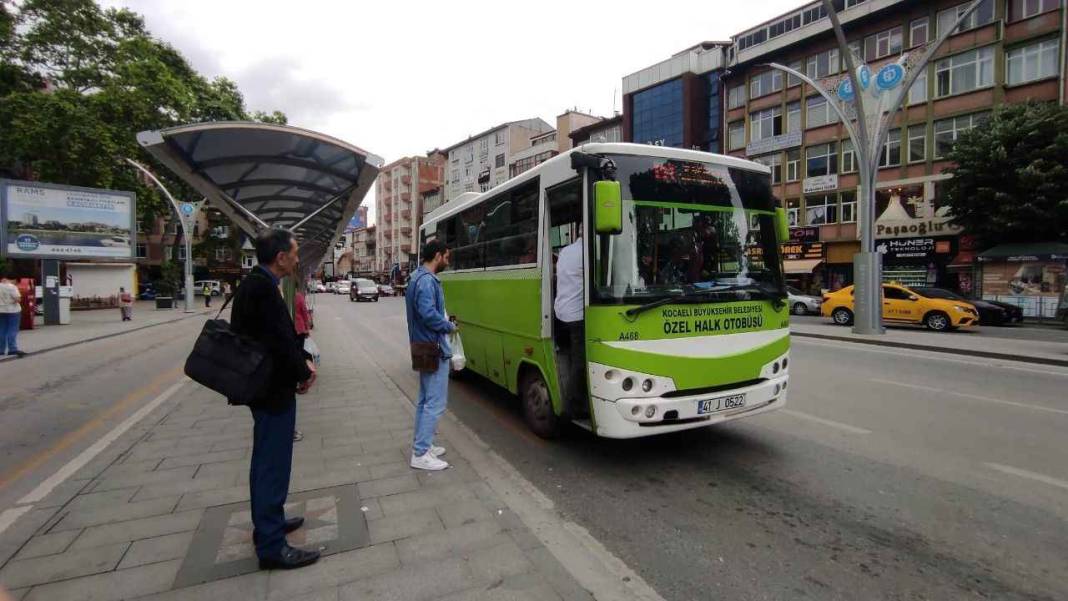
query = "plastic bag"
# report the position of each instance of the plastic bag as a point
(312, 349)
(458, 361)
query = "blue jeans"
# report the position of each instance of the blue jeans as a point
(433, 396)
(272, 464)
(9, 332)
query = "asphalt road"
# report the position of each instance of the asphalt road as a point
(890, 475)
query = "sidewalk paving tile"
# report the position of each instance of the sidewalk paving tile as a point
(69, 564)
(110, 586)
(138, 529)
(116, 513)
(250, 587)
(154, 550)
(48, 544)
(333, 571)
(433, 579)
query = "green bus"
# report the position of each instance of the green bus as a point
(686, 323)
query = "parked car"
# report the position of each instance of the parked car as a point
(363, 289)
(216, 287)
(1014, 312)
(343, 287)
(803, 304)
(320, 287)
(331, 287)
(148, 292)
(905, 306)
(990, 313)
(385, 290)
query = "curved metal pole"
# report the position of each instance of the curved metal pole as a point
(185, 233)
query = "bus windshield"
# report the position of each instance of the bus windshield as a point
(689, 229)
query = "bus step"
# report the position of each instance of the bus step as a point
(583, 423)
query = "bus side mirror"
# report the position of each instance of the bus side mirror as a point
(782, 227)
(608, 207)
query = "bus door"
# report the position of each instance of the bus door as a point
(564, 202)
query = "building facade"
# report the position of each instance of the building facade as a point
(1007, 51)
(546, 145)
(481, 161)
(363, 251)
(677, 102)
(603, 131)
(398, 194)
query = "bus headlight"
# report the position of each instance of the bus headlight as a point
(650, 411)
(628, 383)
(647, 385)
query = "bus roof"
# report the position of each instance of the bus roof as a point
(468, 199)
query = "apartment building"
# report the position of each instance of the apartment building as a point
(481, 161)
(398, 194)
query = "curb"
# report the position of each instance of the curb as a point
(105, 336)
(939, 349)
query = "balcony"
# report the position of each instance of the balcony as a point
(406, 213)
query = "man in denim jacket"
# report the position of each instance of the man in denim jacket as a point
(425, 303)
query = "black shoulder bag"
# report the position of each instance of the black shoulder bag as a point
(235, 366)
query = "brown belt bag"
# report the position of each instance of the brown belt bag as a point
(426, 356)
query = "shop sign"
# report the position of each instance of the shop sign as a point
(910, 212)
(821, 183)
(913, 248)
(804, 234)
(781, 142)
(794, 251)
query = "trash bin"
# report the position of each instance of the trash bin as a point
(64, 304)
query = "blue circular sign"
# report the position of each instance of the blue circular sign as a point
(864, 75)
(845, 90)
(889, 76)
(27, 242)
(187, 208)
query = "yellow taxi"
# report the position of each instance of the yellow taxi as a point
(903, 305)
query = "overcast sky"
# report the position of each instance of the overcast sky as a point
(401, 78)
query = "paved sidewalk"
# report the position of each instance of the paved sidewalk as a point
(162, 513)
(959, 342)
(90, 325)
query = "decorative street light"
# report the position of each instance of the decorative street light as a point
(866, 103)
(187, 215)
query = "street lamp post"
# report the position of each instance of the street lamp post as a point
(187, 213)
(874, 101)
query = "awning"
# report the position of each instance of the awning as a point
(264, 175)
(1020, 253)
(800, 266)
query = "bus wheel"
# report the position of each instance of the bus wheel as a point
(538, 405)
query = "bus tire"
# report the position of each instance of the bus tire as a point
(842, 316)
(538, 405)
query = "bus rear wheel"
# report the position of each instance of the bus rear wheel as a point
(538, 405)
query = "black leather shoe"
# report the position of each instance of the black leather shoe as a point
(289, 558)
(293, 523)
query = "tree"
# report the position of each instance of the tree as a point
(78, 82)
(1010, 175)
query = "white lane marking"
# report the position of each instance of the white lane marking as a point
(977, 397)
(9, 516)
(912, 354)
(826, 422)
(1015, 471)
(87, 455)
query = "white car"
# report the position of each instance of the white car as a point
(320, 287)
(343, 287)
(803, 304)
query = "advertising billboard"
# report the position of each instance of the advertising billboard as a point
(48, 221)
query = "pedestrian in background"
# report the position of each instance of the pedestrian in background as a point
(207, 294)
(125, 304)
(227, 291)
(428, 333)
(10, 314)
(260, 313)
(302, 320)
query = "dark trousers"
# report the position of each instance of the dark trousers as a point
(207, 300)
(577, 391)
(272, 463)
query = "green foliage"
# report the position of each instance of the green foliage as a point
(170, 278)
(78, 82)
(1010, 175)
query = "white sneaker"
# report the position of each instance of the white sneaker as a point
(428, 462)
(437, 451)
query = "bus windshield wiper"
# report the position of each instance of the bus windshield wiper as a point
(773, 294)
(636, 311)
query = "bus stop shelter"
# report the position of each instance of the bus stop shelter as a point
(263, 175)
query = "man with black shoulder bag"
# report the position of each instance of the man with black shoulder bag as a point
(260, 314)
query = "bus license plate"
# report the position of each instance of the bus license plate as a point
(720, 404)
